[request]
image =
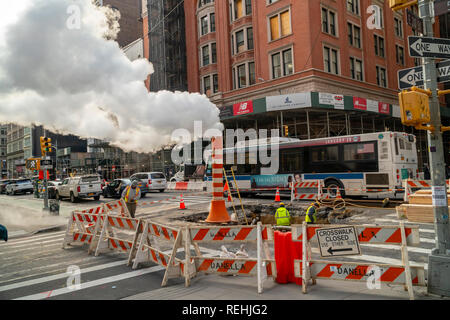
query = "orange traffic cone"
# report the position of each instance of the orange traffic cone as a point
(338, 194)
(182, 206)
(229, 196)
(277, 195)
(218, 212)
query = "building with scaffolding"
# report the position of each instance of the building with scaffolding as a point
(165, 44)
(314, 68)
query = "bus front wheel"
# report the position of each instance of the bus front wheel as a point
(332, 186)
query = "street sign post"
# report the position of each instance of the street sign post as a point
(46, 164)
(339, 241)
(413, 77)
(426, 47)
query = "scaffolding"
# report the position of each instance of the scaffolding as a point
(167, 45)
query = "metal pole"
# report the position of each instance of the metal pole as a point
(439, 259)
(307, 123)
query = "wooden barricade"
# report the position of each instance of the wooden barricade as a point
(402, 274)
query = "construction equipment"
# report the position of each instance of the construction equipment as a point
(237, 191)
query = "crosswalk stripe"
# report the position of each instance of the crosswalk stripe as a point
(94, 283)
(11, 244)
(386, 260)
(388, 246)
(427, 230)
(12, 248)
(60, 276)
(32, 248)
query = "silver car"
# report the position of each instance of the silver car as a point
(150, 181)
(19, 186)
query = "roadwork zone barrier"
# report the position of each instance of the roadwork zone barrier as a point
(411, 186)
(190, 266)
(354, 271)
(186, 185)
(117, 207)
(82, 228)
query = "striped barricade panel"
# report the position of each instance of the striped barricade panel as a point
(161, 231)
(96, 210)
(151, 254)
(247, 267)
(82, 237)
(120, 244)
(229, 234)
(361, 272)
(123, 223)
(372, 234)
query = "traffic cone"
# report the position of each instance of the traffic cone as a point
(229, 196)
(277, 195)
(218, 212)
(338, 194)
(182, 206)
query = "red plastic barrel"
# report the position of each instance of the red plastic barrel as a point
(286, 251)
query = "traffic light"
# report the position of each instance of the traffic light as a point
(46, 146)
(400, 4)
(414, 108)
(286, 130)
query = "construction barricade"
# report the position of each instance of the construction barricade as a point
(403, 274)
(83, 228)
(149, 249)
(411, 186)
(119, 233)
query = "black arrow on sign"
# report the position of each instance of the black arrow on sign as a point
(331, 250)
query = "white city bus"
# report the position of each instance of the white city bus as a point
(371, 164)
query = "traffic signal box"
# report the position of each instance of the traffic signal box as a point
(286, 131)
(414, 108)
(46, 145)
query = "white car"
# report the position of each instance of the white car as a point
(150, 181)
(80, 187)
(19, 186)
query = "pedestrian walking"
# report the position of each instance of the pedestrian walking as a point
(131, 195)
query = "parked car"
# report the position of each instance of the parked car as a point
(19, 186)
(80, 187)
(3, 184)
(150, 181)
(115, 188)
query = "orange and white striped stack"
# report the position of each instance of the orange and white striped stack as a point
(218, 212)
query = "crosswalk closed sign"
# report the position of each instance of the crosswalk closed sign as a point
(339, 241)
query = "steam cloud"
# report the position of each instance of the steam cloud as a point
(74, 81)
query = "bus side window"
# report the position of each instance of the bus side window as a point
(396, 146)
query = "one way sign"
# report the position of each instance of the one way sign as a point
(422, 47)
(411, 77)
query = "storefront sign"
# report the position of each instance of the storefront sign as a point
(289, 101)
(226, 111)
(243, 108)
(336, 100)
(359, 103)
(384, 108)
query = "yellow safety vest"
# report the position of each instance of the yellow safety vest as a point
(311, 212)
(127, 195)
(282, 216)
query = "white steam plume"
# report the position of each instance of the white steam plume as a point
(72, 80)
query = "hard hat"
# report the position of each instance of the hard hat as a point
(281, 204)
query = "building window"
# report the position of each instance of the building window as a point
(204, 24)
(280, 25)
(399, 55)
(207, 84)
(353, 6)
(354, 35)
(208, 54)
(331, 60)
(204, 2)
(381, 76)
(329, 21)
(379, 45)
(245, 75)
(356, 69)
(205, 55)
(240, 8)
(282, 63)
(244, 40)
(250, 38)
(398, 27)
(212, 17)
(271, 1)
(251, 73)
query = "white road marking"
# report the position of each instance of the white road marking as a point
(34, 248)
(427, 230)
(90, 284)
(33, 239)
(12, 248)
(388, 246)
(427, 240)
(17, 233)
(60, 276)
(387, 260)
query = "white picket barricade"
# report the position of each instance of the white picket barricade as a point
(355, 271)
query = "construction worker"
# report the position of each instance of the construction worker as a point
(311, 213)
(282, 216)
(131, 194)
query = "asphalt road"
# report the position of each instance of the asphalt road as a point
(34, 266)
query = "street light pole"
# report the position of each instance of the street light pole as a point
(439, 259)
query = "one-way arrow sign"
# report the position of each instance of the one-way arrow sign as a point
(331, 250)
(422, 47)
(410, 77)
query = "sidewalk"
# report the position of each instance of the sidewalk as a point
(213, 287)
